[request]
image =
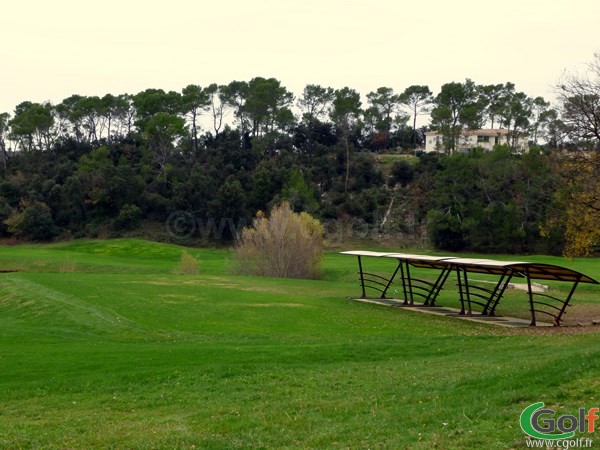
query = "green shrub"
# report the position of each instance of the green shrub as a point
(128, 218)
(402, 172)
(33, 220)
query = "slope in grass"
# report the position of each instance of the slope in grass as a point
(128, 354)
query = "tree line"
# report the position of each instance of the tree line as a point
(90, 165)
(263, 107)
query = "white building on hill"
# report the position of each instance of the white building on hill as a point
(485, 139)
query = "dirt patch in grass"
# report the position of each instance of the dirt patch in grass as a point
(582, 315)
(209, 283)
(158, 283)
(176, 296)
(563, 329)
(269, 305)
(270, 290)
(577, 320)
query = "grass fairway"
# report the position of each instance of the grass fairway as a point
(104, 345)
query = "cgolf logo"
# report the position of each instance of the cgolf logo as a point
(539, 422)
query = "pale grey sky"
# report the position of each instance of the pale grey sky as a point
(52, 49)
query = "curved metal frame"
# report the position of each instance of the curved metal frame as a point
(506, 270)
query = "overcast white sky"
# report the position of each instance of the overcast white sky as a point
(52, 49)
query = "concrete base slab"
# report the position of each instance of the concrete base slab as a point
(448, 311)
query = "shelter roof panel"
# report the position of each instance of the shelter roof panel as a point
(551, 272)
(365, 253)
(535, 271)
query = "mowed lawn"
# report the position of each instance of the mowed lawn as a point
(104, 345)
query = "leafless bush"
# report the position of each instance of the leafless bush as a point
(579, 97)
(68, 265)
(285, 245)
(188, 265)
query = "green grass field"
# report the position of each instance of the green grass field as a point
(104, 345)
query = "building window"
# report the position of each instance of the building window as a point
(481, 139)
(496, 140)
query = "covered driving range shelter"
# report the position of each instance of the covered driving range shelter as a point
(471, 296)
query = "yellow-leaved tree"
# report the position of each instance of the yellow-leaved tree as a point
(580, 199)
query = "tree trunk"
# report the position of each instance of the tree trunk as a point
(387, 214)
(194, 131)
(415, 127)
(217, 116)
(3, 148)
(108, 130)
(347, 162)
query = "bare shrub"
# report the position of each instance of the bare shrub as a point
(285, 245)
(188, 265)
(68, 265)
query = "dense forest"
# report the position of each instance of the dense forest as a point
(198, 165)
